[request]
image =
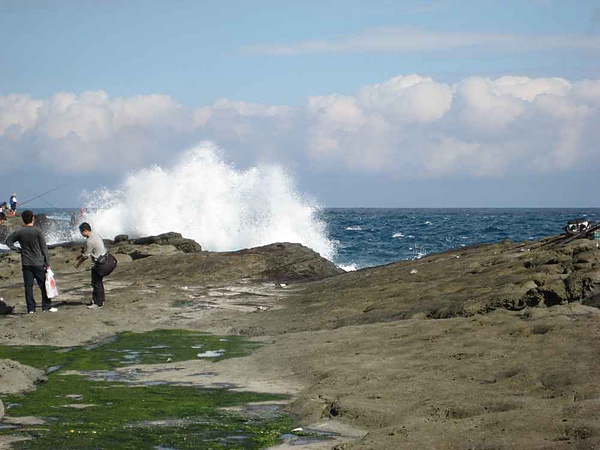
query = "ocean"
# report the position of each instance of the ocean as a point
(370, 237)
(356, 238)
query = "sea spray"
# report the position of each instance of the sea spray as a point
(205, 199)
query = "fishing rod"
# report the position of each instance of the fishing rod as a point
(44, 199)
(47, 192)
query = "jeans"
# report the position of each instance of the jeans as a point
(31, 274)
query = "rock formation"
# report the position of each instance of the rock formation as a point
(16, 378)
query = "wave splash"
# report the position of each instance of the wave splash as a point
(210, 201)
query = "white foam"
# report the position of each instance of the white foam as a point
(397, 235)
(354, 228)
(349, 267)
(211, 353)
(205, 199)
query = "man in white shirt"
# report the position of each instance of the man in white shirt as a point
(13, 202)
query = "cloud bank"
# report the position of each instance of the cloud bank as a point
(411, 40)
(407, 126)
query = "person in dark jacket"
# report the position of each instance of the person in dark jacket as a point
(34, 260)
(4, 308)
(3, 228)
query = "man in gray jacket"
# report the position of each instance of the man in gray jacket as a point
(34, 260)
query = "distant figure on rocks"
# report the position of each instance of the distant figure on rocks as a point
(13, 202)
(104, 263)
(34, 259)
(72, 220)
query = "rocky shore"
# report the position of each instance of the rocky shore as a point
(486, 347)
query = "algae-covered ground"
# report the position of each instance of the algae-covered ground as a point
(86, 404)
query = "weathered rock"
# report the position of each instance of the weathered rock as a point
(292, 262)
(1, 410)
(145, 251)
(593, 300)
(120, 238)
(16, 378)
(187, 245)
(457, 283)
(171, 238)
(282, 262)
(159, 239)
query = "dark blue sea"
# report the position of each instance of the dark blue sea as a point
(370, 237)
(365, 237)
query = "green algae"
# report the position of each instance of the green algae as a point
(128, 348)
(81, 413)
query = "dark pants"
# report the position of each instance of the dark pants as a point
(97, 287)
(99, 271)
(31, 274)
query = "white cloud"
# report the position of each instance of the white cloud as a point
(89, 131)
(407, 40)
(479, 127)
(408, 98)
(407, 126)
(485, 104)
(18, 113)
(334, 123)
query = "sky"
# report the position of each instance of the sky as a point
(364, 103)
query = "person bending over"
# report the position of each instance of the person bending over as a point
(104, 263)
(34, 259)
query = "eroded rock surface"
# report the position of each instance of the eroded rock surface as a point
(16, 377)
(458, 283)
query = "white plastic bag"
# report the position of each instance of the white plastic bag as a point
(51, 288)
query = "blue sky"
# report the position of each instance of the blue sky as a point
(313, 86)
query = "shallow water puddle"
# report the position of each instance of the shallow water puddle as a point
(87, 403)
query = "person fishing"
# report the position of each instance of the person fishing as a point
(13, 203)
(104, 263)
(34, 260)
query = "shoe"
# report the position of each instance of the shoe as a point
(30, 312)
(50, 309)
(94, 306)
